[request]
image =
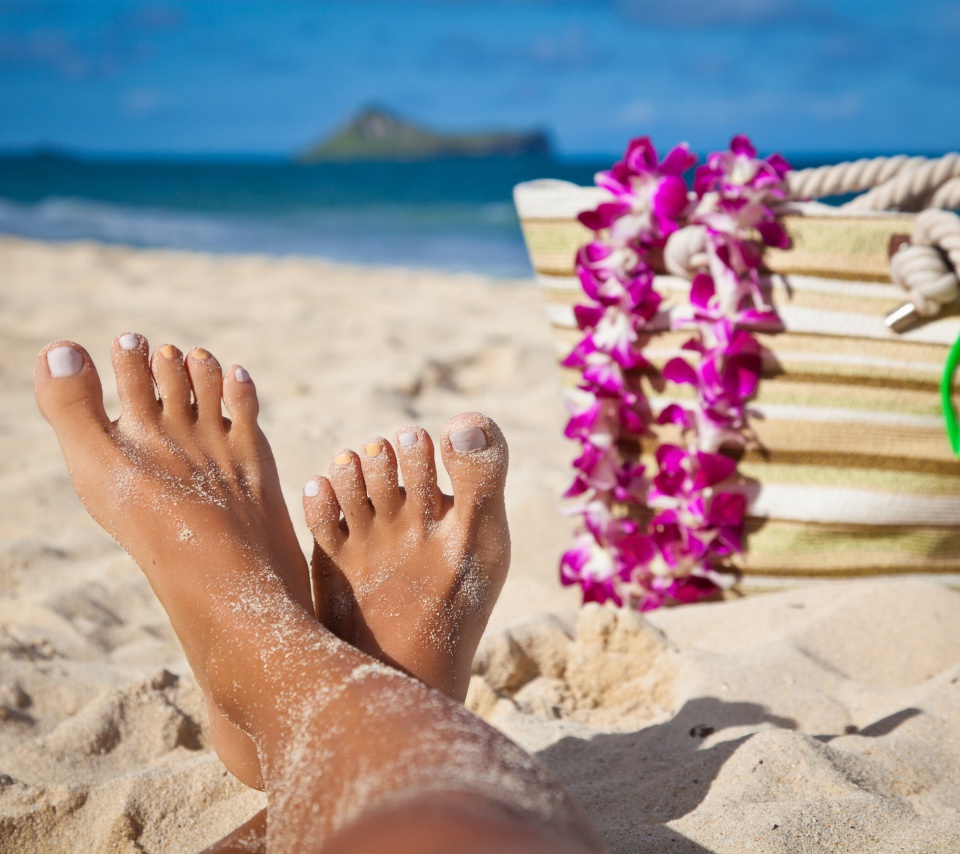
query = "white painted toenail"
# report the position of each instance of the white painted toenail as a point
(407, 439)
(468, 439)
(129, 341)
(64, 362)
(242, 375)
(311, 489)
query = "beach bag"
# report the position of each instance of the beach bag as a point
(846, 468)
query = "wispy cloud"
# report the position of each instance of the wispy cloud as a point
(569, 49)
(54, 53)
(140, 102)
(725, 13)
(112, 44)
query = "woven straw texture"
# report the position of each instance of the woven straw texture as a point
(851, 473)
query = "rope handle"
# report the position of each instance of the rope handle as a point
(898, 183)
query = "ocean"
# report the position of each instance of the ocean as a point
(454, 215)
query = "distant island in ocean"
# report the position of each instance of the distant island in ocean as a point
(376, 133)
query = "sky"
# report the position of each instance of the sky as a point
(257, 77)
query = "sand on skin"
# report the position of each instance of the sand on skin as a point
(816, 720)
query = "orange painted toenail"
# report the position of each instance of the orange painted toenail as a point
(373, 449)
(168, 351)
(341, 459)
(200, 354)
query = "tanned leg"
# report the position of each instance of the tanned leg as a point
(355, 756)
(405, 574)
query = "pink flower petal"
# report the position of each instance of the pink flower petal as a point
(678, 160)
(588, 316)
(641, 156)
(702, 290)
(675, 414)
(742, 146)
(679, 371)
(713, 469)
(773, 234)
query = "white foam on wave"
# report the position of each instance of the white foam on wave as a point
(458, 238)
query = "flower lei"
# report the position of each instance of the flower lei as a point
(685, 552)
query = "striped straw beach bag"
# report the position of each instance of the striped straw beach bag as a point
(847, 468)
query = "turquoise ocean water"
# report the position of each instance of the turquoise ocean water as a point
(447, 214)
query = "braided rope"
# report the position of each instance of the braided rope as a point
(910, 190)
(892, 183)
(947, 196)
(853, 177)
(927, 267)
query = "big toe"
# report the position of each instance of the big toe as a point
(475, 455)
(69, 393)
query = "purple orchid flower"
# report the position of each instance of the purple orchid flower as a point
(738, 172)
(698, 526)
(650, 187)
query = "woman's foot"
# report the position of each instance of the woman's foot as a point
(356, 756)
(189, 494)
(407, 574)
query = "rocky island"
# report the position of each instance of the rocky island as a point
(378, 134)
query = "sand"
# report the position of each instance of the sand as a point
(822, 719)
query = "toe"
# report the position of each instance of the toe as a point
(475, 455)
(346, 477)
(332, 592)
(207, 381)
(131, 365)
(379, 463)
(240, 396)
(322, 512)
(171, 377)
(69, 394)
(415, 454)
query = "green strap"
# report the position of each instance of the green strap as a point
(946, 386)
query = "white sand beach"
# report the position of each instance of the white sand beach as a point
(821, 719)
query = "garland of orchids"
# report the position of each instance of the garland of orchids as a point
(698, 513)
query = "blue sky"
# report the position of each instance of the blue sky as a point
(250, 76)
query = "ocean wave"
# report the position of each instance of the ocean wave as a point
(482, 238)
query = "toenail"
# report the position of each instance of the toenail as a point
(468, 439)
(64, 361)
(341, 459)
(311, 489)
(407, 439)
(168, 351)
(242, 375)
(373, 449)
(200, 354)
(130, 341)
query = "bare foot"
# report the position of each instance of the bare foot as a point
(407, 574)
(355, 755)
(185, 491)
